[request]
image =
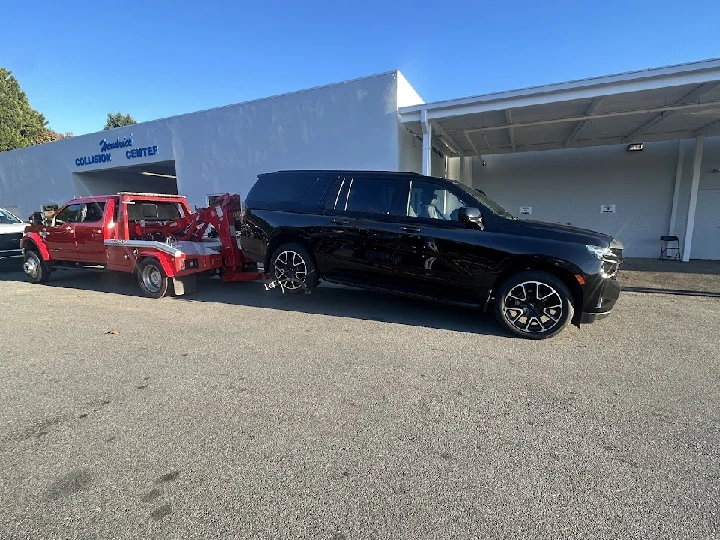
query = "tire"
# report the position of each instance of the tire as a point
(152, 278)
(35, 267)
(550, 311)
(292, 265)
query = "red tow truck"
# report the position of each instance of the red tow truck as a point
(152, 235)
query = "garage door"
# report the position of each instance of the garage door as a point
(706, 234)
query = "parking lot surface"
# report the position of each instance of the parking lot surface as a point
(240, 413)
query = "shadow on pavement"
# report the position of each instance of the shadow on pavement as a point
(328, 299)
(671, 291)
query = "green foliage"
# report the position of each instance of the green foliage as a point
(119, 120)
(20, 124)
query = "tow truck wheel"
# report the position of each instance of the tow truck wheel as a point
(293, 268)
(152, 278)
(35, 268)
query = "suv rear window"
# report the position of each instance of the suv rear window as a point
(287, 190)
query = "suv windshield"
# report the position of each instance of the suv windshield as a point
(6, 218)
(486, 201)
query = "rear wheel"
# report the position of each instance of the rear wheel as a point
(152, 278)
(293, 268)
(35, 268)
(534, 305)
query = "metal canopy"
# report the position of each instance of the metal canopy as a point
(675, 102)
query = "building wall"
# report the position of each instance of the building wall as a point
(348, 125)
(410, 151)
(569, 186)
(705, 226)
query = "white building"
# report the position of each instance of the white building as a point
(556, 153)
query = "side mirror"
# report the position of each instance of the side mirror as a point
(37, 219)
(470, 215)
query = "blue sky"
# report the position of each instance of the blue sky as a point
(79, 60)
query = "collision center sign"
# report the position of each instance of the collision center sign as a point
(106, 148)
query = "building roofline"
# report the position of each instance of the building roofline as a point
(677, 70)
(256, 100)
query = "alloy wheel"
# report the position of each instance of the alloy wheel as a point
(533, 307)
(290, 270)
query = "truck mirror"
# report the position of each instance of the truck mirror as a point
(36, 219)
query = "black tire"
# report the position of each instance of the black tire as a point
(35, 267)
(152, 278)
(546, 310)
(291, 265)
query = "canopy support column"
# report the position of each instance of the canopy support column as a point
(687, 245)
(427, 143)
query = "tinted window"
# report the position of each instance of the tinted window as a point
(433, 201)
(70, 214)
(285, 189)
(370, 196)
(94, 212)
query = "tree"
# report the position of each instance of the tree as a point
(48, 135)
(119, 120)
(20, 124)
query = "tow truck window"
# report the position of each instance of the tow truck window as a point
(95, 211)
(153, 211)
(69, 214)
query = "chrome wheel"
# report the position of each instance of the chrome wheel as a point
(290, 270)
(152, 278)
(533, 307)
(31, 266)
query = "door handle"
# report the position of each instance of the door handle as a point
(68, 228)
(338, 221)
(407, 228)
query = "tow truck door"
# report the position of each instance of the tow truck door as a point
(89, 235)
(60, 235)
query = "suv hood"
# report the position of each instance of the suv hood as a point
(565, 233)
(12, 228)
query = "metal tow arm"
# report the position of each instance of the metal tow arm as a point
(274, 283)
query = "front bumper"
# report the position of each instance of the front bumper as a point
(601, 297)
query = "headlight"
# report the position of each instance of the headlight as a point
(599, 252)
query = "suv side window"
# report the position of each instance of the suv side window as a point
(70, 214)
(379, 196)
(433, 201)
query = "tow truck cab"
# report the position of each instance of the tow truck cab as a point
(78, 231)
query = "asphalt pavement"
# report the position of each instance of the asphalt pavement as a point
(240, 413)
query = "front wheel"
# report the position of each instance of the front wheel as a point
(152, 278)
(533, 305)
(293, 268)
(35, 268)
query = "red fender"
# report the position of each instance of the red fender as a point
(164, 259)
(33, 239)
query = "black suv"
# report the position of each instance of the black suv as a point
(429, 237)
